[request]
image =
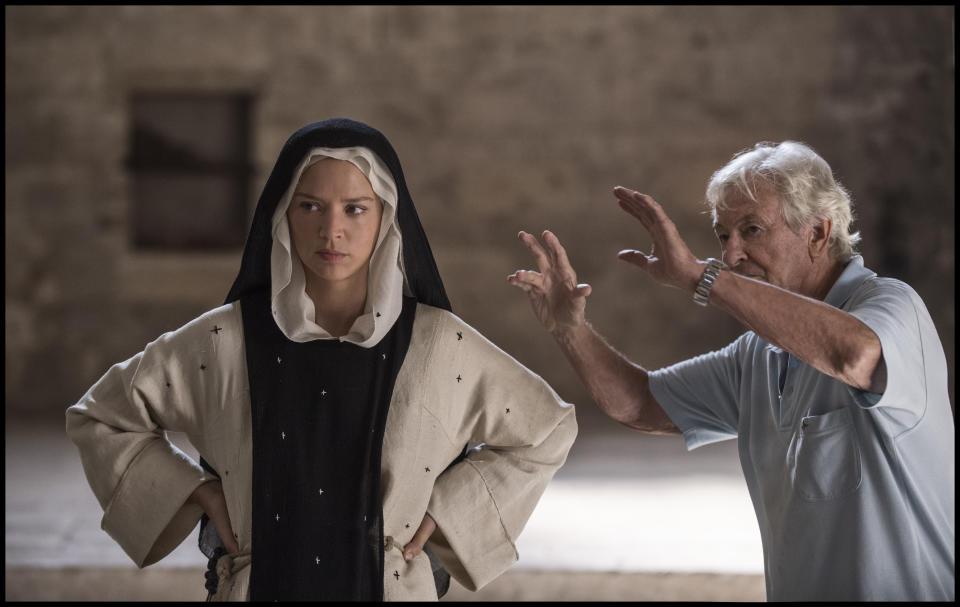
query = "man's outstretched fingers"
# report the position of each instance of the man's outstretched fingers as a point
(655, 208)
(527, 280)
(635, 209)
(642, 206)
(560, 255)
(623, 193)
(635, 257)
(539, 255)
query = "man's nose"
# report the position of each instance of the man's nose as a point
(731, 252)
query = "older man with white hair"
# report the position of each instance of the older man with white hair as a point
(837, 394)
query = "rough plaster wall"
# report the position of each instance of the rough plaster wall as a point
(505, 118)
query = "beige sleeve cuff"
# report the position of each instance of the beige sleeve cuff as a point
(147, 514)
(470, 539)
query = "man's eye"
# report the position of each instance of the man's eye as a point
(722, 237)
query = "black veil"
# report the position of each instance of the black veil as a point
(419, 265)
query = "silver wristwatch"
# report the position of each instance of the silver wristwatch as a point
(702, 293)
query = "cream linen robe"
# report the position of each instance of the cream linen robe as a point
(454, 386)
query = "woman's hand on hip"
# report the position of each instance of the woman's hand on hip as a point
(209, 496)
(415, 547)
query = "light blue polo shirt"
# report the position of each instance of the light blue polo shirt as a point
(853, 491)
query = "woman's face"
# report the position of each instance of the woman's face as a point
(334, 219)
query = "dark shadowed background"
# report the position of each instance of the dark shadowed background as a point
(505, 118)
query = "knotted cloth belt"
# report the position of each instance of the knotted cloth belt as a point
(227, 566)
(389, 542)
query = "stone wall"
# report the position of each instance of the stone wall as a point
(505, 118)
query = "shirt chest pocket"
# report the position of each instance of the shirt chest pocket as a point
(826, 456)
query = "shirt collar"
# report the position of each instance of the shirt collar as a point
(847, 283)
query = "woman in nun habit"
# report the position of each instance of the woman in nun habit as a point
(332, 400)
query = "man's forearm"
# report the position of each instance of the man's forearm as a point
(826, 338)
(619, 387)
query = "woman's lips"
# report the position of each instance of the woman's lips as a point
(328, 255)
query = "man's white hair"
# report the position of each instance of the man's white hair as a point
(803, 182)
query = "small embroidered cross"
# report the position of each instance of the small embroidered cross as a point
(216, 329)
(384, 356)
(396, 575)
(168, 384)
(459, 379)
(320, 491)
(407, 526)
(378, 314)
(283, 436)
(317, 559)
(459, 335)
(427, 469)
(202, 366)
(508, 409)
(278, 360)
(323, 392)
(277, 517)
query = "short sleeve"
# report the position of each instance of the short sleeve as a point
(895, 313)
(700, 395)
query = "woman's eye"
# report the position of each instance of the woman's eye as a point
(722, 237)
(751, 231)
(355, 210)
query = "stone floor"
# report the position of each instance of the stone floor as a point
(185, 584)
(629, 517)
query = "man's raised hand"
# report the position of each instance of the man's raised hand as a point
(557, 300)
(670, 261)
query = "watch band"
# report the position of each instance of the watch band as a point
(702, 293)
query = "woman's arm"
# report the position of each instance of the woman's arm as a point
(481, 504)
(144, 483)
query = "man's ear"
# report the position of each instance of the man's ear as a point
(819, 238)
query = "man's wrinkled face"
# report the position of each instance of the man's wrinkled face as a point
(756, 241)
